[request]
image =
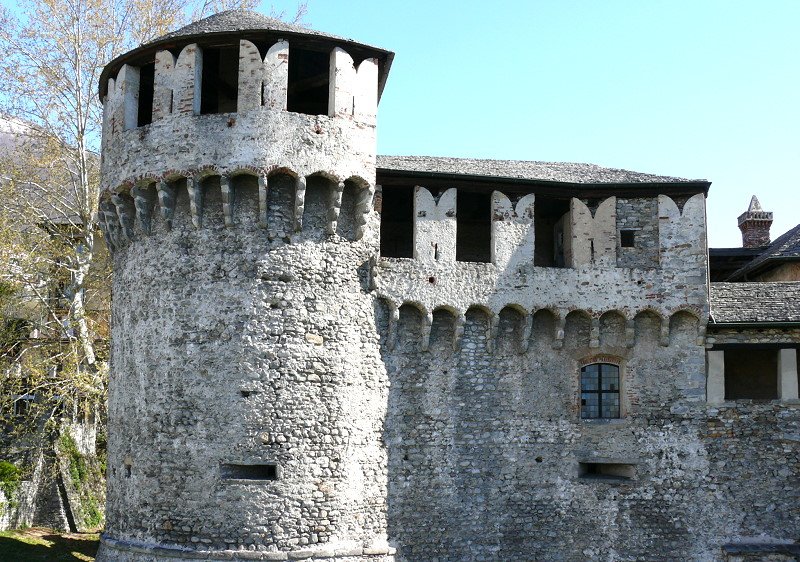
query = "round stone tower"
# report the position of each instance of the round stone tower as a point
(247, 394)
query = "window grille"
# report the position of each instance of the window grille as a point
(599, 391)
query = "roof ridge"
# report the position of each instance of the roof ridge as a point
(253, 18)
(781, 245)
(569, 172)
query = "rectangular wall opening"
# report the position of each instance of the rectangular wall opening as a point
(309, 76)
(268, 471)
(397, 222)
(548, 221)
(473, 226)
(147, 74)
(606, 471)
(627, 238)
(751, 373)
(219, 85)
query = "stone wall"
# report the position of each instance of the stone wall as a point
(640, 216)
(484, 447)
(244, 345)
(279, 391)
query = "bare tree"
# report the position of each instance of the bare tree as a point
(51, 56)
(207, 7)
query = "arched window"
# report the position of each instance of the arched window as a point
(599, 391)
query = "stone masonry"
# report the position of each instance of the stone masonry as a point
(281, 391)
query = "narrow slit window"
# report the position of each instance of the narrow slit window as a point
(397, 222)
(147, 75)
(219, 91)
(473, 227)
(268, 471)
(309, 75)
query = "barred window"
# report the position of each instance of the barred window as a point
(599, 391)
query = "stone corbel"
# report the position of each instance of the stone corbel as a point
(334, 208)
(665, 331)
(630, 333)
(526, 334)
(125, 214)
(299, 202)
(227, 199)
(558, 339)
(142, 203)
(362, 210)
(458, 332)
(427, 323)
(108, 220)
(394, 319)
(263, 190)
(166, 202)
(491, 333)
(594, 333)
(195, 191)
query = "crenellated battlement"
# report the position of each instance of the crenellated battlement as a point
(265, 72)
(664, 236)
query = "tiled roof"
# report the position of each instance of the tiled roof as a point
(522, 169)
(785, 247)
(755, 302)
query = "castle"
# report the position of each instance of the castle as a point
(323, 354)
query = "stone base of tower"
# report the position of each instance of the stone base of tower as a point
(112, 550)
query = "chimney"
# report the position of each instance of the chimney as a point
(754, 225)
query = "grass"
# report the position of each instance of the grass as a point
(37, 544)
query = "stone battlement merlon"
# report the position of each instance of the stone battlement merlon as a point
(240, 71)
(649, 231)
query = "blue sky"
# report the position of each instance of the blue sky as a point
(694, 89)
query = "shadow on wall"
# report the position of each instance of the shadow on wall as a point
(42, 544)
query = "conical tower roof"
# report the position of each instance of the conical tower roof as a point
(755, 205)
(236, 21)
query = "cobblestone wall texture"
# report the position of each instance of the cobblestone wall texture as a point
(415, 409)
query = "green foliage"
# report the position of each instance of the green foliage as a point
(85, 475)
(93, 516)
(78, 470)
(101, 444)
(9, 480)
